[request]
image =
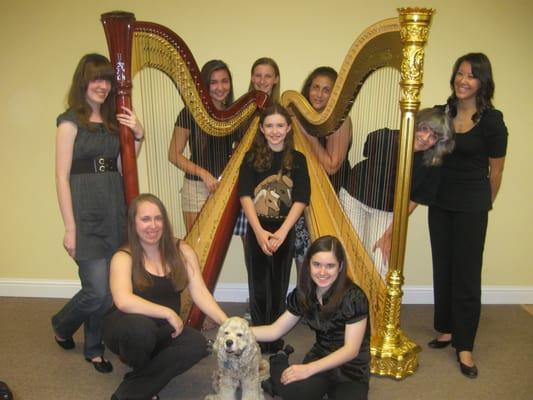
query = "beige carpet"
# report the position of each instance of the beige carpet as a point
(37, 369)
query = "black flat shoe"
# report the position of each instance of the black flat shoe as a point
(268, 387)
(469, 372)
(439, 344)
(104, 366)
(67, 344)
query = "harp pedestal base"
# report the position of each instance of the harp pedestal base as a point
(395, 357)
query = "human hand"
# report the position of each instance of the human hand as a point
(69, 242)
(129, 119)
(176, 322)
(277, 239)
(263, 240)
(210, 181)
(296, 372)
(384, 244)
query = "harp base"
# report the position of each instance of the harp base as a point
(394, 356)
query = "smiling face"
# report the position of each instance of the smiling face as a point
(97, 92)
(425, 139)
(275, 128)
(320, 91)
(324, 269)
(465, 84)
(219, 87)
(149, 223)
(264, 78)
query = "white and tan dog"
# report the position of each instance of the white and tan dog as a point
(239, 362)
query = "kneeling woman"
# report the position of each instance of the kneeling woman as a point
(336, 309)
(146, 279)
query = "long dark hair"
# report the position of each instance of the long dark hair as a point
(92, 67)
(275, 95)
(320, 71)
(306, 288)
(482, 71)
(167, 247)
(260, 152)
(216, 65)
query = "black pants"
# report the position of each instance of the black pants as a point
(149, 349)
(268, 276)
(457, 242)
(316, 386)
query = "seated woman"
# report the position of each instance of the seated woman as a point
(331, 151)
(336, 309)
(146, 278)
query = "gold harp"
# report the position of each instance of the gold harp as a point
(394, 44)
(136, 47)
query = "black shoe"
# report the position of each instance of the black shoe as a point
(67, 344)
(104, 366)
(469, 372)
(288, 350)
(268, 387)
(439, 344)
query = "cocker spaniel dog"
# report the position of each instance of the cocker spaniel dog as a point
(239, 362)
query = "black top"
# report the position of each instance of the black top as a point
(464, 182)
(372, 180)
(273, 197)
(161, 292)
(98, 202)
(330, 333)
(207, 151)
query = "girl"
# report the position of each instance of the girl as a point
(331, 151)
(273, 190)
(91, 198)
(147, 277)
(470, 180)
(336, 309)
(264, 76)
(209, 154)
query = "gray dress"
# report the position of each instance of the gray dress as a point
(97, 199)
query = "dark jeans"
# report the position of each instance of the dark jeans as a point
(148, 348)
(457, 242)
(87, 307)
(268, 276)
(316, 386)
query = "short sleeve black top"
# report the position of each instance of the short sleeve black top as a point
(330, 333)
(464, 182)
(208, 151)
(273, 196)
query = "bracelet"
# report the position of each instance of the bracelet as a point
(138, 139)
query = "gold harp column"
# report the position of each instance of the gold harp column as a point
(393, 353)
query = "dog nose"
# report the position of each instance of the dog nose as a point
(229, 343)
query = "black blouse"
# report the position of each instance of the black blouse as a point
(330, 333)
(464, 184)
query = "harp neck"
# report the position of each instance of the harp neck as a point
(377, 47)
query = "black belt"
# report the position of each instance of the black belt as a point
(96, 165)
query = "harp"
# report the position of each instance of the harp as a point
(393, 49)
(138, 48)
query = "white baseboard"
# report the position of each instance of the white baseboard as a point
(238, 292)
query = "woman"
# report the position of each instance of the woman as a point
(371, 183)
(91, 200)
(273, 190)
(336, 309)
(147, 277)
(331, 151)
(470, 180)
(208, 154)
